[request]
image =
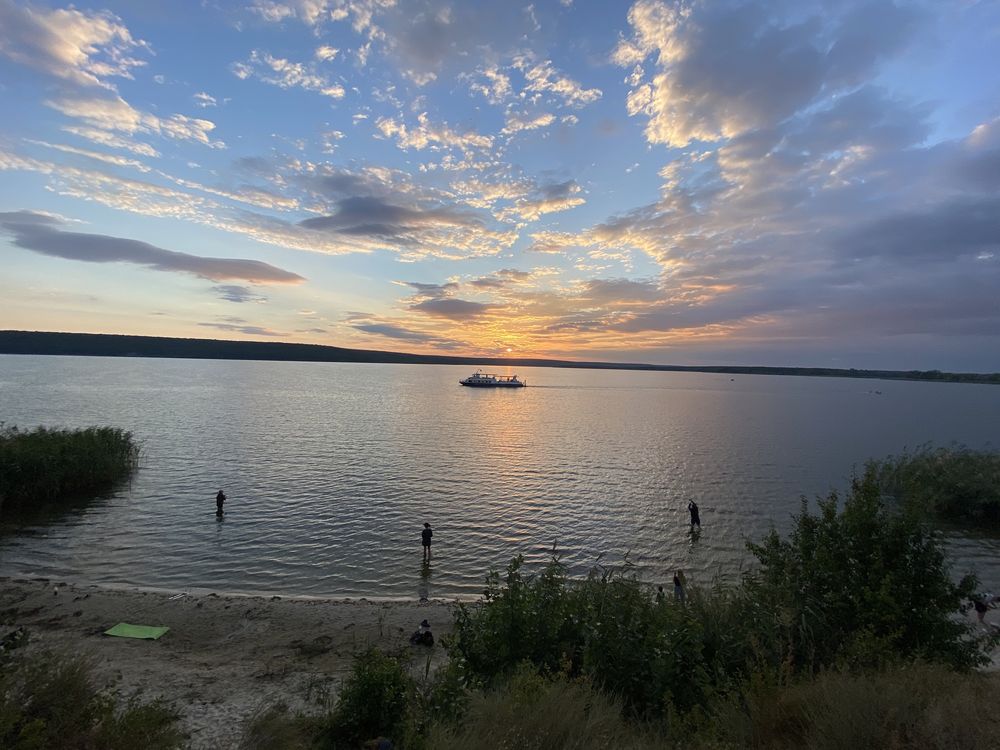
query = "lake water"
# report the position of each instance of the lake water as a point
(331, 469)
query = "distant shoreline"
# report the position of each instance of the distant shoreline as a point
(114, 345)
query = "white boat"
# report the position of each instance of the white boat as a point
(489, 380)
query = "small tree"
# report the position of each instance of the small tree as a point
(862, 585)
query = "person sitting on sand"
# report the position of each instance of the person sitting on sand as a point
(219, 500)
(981, 603)
(425, 540)
(422, 636)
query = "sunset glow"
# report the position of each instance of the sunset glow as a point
(812, 184)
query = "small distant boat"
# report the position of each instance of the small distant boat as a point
(488, 380)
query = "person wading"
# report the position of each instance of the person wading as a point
(425, 540)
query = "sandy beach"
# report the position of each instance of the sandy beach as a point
(225, 656)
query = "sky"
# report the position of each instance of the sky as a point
(796, 182)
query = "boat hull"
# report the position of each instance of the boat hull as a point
(492, 385)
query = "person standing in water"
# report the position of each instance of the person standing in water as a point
(679, 586)
(219, 500)
(695, 518)
(425, 540)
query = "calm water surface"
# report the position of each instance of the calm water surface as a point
(331, 469)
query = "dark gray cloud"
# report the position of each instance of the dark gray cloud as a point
(373, 217)
(453, 309)
(42, 234)
(237, 293)
(432, 290)
(748, 65)
(428, 37)
(247, 329)
(609, 291)
(867, 34)
(395, 332)
(944, 232)
(502, 278)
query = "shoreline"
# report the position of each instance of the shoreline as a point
(226, 656)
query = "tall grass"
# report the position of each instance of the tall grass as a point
(51, 701)
(956, 483)
(43, 466)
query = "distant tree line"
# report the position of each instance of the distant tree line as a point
(108, 345)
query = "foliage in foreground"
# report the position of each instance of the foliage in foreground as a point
(853, 585)
(859, 585)
(957, 483)
(840, 637)
(43, 466)
(49, 701)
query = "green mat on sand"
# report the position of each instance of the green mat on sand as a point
(124, 630)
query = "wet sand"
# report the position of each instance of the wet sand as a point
(225, 656)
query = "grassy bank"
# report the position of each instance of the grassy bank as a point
(44, 467)
(843, 635)
(50, 701)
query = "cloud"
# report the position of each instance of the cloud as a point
(729, 67)
(237, 293)
(114, 114)
(543, 78)
(250, 330)
(394, 332)
(325, 52)
(82, 47)
(104, 138)
(432, 224)
(452, 309)
(549, 198)
(518, 122)
(428, 135)
(41, 234)
(494, 84)
(202, 99)
(119, 161)
(286, 74)
(374, 217)
(501, 279)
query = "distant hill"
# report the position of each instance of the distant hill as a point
(107, 345)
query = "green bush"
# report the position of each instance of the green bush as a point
(956, 483)
(49, 701)
(859, 585)
(607, 628)
(43, 466)
(374, 702)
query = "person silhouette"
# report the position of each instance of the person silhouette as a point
(425, 540)
(219, 500)
(693, 510)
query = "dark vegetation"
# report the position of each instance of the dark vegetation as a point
(106, 345)
(44, 467)
(844, 635)
(956, 483)
(51, 701)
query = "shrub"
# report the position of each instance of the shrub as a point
(607, 628)
(44, 466)
(276, 728)
(374, 702)
(50, 701)
(860, 585)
